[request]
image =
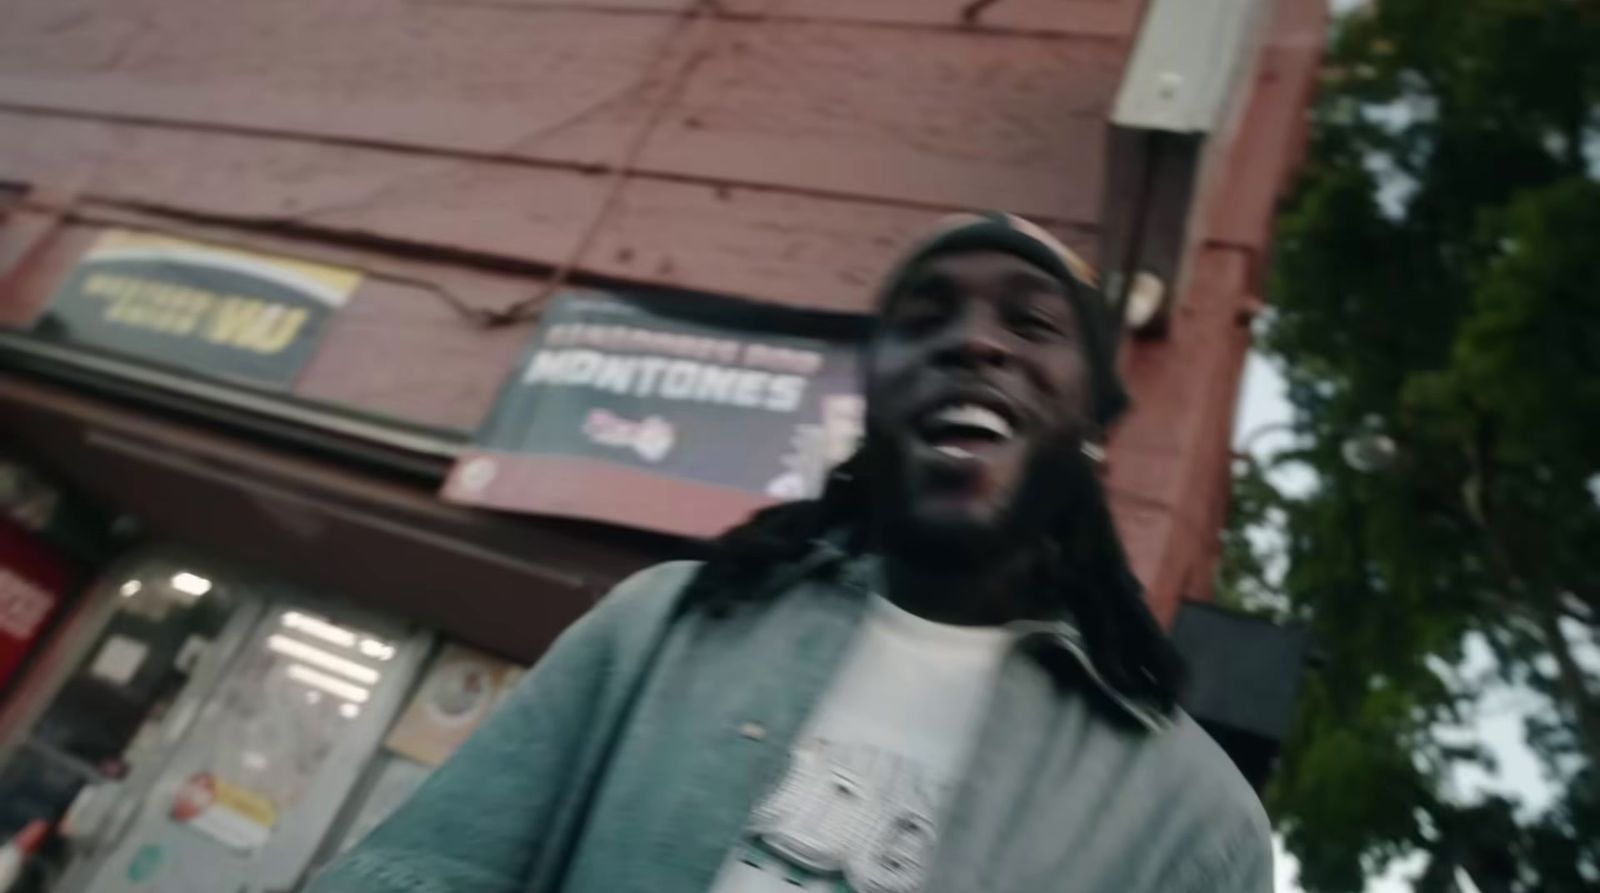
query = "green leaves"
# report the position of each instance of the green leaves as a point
(1438, 270)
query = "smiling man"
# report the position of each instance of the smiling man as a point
(939, 676)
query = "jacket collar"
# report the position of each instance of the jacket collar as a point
(1060, 637)
(1064, 637)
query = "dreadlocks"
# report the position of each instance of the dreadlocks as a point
(741, 558)
(1085, 572)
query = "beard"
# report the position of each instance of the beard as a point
(1050, 480)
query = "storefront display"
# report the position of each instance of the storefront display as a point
(200, 726)
(127, 682)
(211, 732)
(255, 784)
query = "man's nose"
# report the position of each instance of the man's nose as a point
(977, 339)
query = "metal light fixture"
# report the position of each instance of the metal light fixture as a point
(1145, 301)
(1369, 449)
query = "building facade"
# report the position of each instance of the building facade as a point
(433, 174)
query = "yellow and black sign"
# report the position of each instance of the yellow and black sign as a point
(214, 309)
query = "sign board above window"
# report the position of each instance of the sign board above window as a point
(675, 413)
(222, 311)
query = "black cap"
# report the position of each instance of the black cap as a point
(1008, 233)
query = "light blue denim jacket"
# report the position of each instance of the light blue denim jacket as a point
(597, 777)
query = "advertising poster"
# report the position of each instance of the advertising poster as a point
(462, 687)
(223, 311)
(678, 413)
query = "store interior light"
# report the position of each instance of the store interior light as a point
(311, 654)
(377, 650)
(131, 588)
(190, 584)
(322, 629)
(333, 686)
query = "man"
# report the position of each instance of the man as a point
(939, 676)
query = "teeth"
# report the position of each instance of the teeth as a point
(971, 415)
(954, 452)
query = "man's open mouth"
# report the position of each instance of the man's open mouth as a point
(965, 429)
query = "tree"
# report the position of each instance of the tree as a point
(1438, 270)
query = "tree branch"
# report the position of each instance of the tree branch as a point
(1544, 608)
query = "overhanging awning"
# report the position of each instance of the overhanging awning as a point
(509, 585)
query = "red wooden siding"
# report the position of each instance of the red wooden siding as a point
(926, 117)
(1169, 475)
(459, 150)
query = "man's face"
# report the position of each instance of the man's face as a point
(976, 381)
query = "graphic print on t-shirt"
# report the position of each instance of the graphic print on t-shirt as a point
(847, 817)
(857, 809)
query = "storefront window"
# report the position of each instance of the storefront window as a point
(168, 615)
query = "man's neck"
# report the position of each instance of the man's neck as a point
(988, 594)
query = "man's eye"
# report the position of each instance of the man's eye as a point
(1039, 324)
(913, 312)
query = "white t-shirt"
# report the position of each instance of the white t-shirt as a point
(875, 762)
